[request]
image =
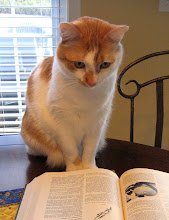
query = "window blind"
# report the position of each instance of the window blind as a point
(29, 32)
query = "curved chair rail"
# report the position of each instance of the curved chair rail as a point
(159, 92)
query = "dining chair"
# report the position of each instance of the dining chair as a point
(159, 96)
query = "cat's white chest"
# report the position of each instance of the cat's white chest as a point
(79, 112)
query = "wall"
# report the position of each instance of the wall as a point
(149, 32)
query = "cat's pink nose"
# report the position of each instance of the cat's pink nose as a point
(91, 78)
(92, 83)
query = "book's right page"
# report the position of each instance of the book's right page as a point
(145, 194)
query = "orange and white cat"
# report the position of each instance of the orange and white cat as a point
(69, 95)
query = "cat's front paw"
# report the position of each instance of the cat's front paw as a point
(73, 167)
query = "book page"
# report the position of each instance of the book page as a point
(78, 195)
(145, 194)
(102, 196)
(30, 198)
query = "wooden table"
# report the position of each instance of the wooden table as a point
(18, 169)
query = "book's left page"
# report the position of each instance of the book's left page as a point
(86, 194)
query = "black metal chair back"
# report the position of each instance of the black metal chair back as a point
(159, 97)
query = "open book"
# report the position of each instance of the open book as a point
(93, 194)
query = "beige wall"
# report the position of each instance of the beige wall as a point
(149, 32)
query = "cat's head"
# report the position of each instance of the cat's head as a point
(90, 49)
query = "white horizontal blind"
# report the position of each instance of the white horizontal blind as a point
(29, 32)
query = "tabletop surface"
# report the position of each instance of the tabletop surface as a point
(17, 168)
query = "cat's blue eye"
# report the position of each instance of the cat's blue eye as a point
(104, 65)
(79, 65)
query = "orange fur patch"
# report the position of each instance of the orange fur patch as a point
(92, 38)
(92, 31)
(77, 161)
(46, 68)
(31, 131)
(29, 93)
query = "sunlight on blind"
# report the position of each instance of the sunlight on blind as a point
(29, 32)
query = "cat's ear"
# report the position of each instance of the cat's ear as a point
(117, 33)
(68, 32)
